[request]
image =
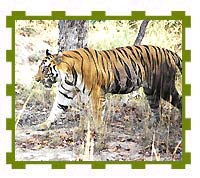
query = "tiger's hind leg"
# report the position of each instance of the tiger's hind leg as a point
(175, 99)
(154, 103)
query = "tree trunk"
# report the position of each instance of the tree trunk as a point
(141, 32)
(73, 34)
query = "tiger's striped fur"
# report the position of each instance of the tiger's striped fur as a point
(117, 71)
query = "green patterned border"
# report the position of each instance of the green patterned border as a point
(97, 15)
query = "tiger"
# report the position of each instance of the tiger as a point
(122, 70)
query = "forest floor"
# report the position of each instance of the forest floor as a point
(126, 137)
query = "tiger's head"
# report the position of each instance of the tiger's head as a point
(48, 74)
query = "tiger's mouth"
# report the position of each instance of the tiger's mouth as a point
(48, 83)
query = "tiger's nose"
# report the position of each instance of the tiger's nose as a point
(37, 79)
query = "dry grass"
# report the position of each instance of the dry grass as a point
(88, 146)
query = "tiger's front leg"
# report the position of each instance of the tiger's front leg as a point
(54, 114)
(62, 102)
(98, 107)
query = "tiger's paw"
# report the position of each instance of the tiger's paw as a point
(153, 123)
(43, 126)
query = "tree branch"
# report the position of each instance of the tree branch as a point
(141, 32)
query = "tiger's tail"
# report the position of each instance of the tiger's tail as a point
(178, 62)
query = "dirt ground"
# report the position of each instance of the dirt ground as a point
(127, 136)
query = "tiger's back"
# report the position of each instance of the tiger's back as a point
(123, 70)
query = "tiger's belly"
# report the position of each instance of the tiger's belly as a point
(125, 86)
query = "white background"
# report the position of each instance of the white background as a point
(119, 7)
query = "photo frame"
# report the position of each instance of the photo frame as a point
(98, 15)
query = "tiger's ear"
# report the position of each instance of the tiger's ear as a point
(47, 52)
(59, 59)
